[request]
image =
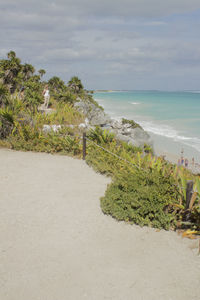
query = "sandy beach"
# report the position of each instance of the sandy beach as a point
(193, 167)
(56, 243)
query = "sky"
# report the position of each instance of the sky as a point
(108, 44)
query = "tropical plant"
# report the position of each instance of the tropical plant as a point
(7, 122)
(3, 94)
(41, 72)
(142, 198)
(27, 71)
(57, 85)
(101, 136)
(33, 92)
(132, 123)
(9, 71)
(75, 84)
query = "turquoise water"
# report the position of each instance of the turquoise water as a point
(171, 118)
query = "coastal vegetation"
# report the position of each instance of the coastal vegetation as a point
(131, 122)
(145, 190)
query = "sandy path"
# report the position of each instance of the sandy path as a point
(55, 243)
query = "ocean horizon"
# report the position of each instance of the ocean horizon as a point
(172, 118)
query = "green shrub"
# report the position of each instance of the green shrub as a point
(148, 149)
(65, 97)
(142, 198)
(31, 138)
(132, 123)
(6, 122)
(101, 136)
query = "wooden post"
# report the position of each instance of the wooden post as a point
(84, 145)
(189, 192)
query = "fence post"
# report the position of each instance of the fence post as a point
(189, 192)
(84, 145)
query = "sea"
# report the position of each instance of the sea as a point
(172, 119)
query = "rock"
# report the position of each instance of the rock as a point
(49, 128)
(140, 137)
(46, 111)
(82, 125)
(94, 114)
(135, 136)
(115, 124)
(127, 131)
(123, 138)
(124, 132)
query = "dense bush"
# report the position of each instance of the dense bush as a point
(6, 122)
(30, 138)
(146, 190)
(131, 122)
(142, 198)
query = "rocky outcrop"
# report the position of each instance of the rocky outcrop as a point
(126, 132)
(95, 115)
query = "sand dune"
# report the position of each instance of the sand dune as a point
(56, 244)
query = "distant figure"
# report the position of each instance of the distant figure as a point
(193, 161)
(46, 95)
(186, 162)
(179, 163)
(182, 159)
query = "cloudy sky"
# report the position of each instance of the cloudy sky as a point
(109, 44)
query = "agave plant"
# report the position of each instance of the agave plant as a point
(101, 136)
(196, 193)
(7, 122)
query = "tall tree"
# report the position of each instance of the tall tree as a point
(57, 85)
(41, 72)
(27, 71)
(9, 70)
(75, 84)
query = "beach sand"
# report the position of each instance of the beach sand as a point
(56, 244)
(172, 152)
(173, 158)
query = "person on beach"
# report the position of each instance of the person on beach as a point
(46, 95)
(182, 159)
(186, 162)
(179, 163)
(193, 161)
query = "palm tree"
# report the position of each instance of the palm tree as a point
(27, 71)
(75, 84)
(57, 84)
(41, 72)
(9, 70)
(11, 55)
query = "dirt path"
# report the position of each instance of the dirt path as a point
(55, 243)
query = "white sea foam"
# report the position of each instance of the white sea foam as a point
(169, 132)
(134, 103)
(193, 92)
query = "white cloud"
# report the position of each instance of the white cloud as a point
(141, 8)
(102, 39)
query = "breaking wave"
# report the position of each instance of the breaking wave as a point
(169, 132)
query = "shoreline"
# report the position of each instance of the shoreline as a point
(163, 145)
(173, 154)
(177, 154)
